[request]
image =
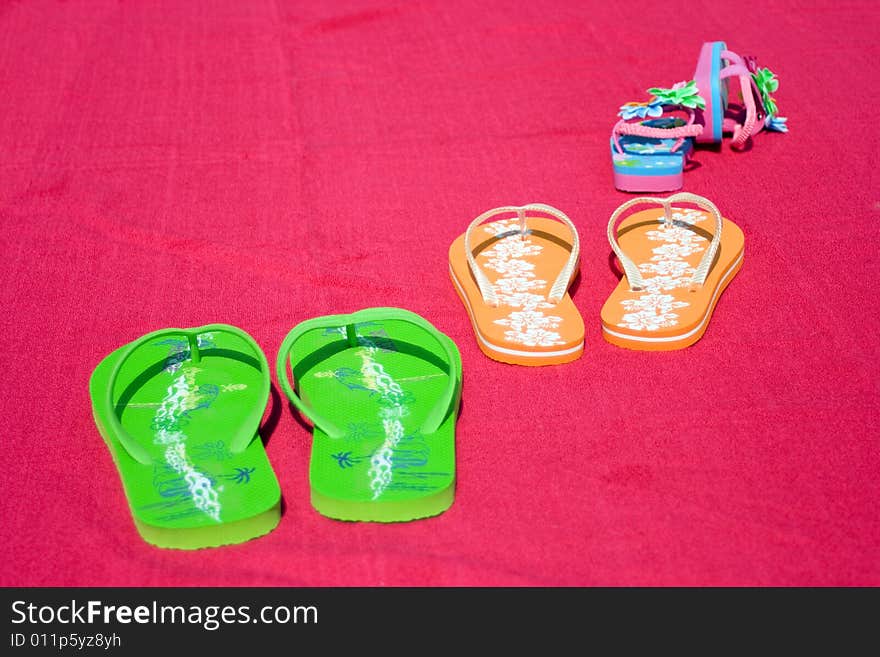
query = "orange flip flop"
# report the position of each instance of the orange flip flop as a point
(676, 263)
(513, 276)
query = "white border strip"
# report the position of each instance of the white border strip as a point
(505, 350)
(683, 336)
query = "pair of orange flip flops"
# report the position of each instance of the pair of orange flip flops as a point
(513, 275)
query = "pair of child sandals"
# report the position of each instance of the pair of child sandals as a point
(513, 276)
(180, 411)
(652, 141)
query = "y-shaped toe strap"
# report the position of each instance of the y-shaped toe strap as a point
(633, 275)
(248, 428)
(560, 285)
(437, 414)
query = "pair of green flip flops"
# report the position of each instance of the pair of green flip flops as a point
(180, 410)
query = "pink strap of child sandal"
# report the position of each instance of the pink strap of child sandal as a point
(716, 69)
(755, 113)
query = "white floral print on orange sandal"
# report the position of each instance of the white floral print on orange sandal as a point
(512, 275)
(676, 263)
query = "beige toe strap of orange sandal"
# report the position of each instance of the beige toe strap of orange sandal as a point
(633, 275)
(560, 285)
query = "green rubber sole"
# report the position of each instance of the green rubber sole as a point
(377, 377)
(198, 489)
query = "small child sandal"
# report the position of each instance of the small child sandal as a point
(652, 142)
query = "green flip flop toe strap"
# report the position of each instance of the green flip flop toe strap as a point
(438, 413)
(248, 428)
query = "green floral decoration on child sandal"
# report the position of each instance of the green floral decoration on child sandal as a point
(767, 84)
(685, 94)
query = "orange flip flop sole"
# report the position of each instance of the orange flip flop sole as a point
(525, 328)
(667, 314)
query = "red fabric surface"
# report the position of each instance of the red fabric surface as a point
(259, 163)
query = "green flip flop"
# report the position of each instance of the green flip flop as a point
(381, 388)
(180, 411)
